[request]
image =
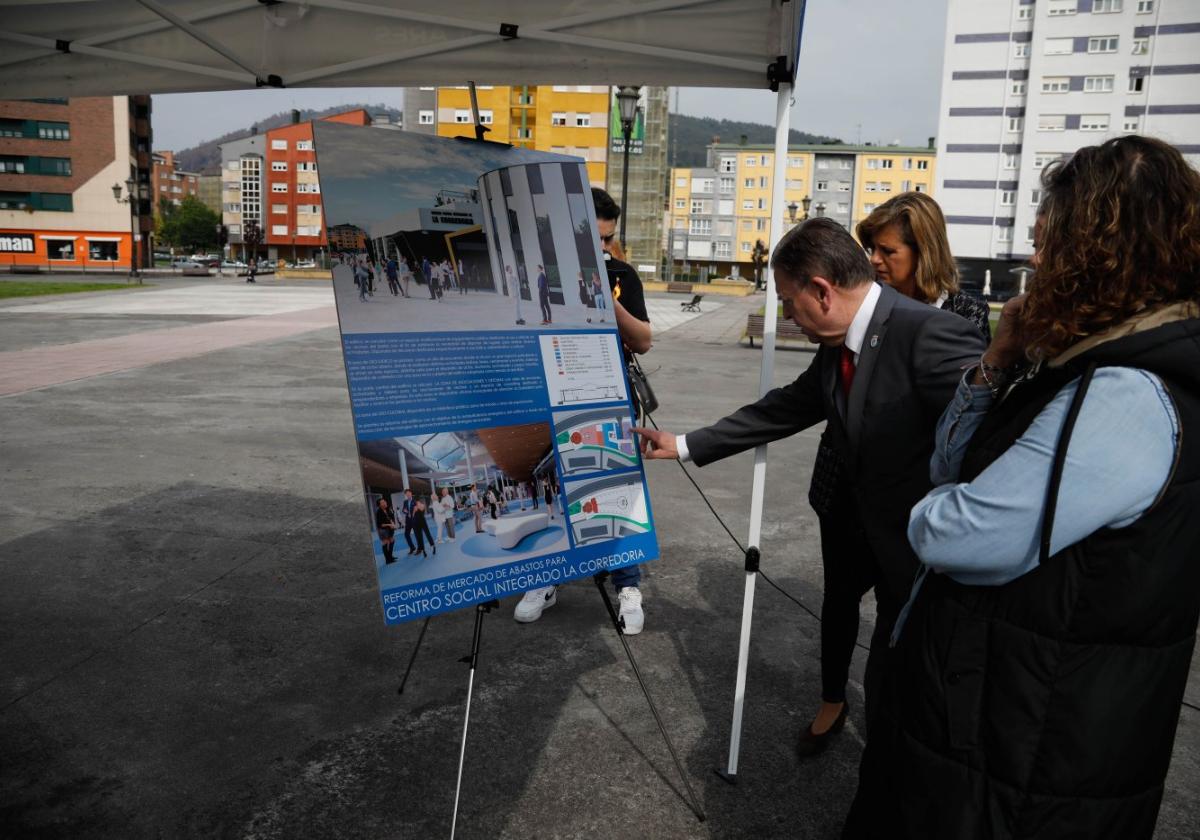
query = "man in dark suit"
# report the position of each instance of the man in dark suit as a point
(408, 509)
(886, 369)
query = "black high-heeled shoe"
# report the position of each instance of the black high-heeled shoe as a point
(810, 743)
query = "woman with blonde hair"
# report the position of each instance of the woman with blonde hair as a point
(906, 238)
(1039, 668)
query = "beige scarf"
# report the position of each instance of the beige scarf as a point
(1147, 319)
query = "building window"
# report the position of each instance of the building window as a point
(15, 165)
(751, 160)
(1056, 84)
(1097, 84)
(1016, 124)
(1103, 44)
(748, 183)
(747, 224)
(704, 185)
(1042, 159)
(1059, 8)
(794, 184)
(1035, 197)
(1052, 122)
(886, 163)
(1093, 122)
(872, 163)
(681, 182)
(280, 186)
(1058, 46)
(724, 250)
(908, 163)
(304, 145)
(583, 120)
(60, 249)
(53, 131)
(462, 116)
(279, 145)
(1029, 234)
(745, 247)
(306, 166)
(843, 186)
(869, 208)
(278, 208)
(905, 186)
(1137, 84)
(796, 162)
(728, 164)
(1107, 7)
(485, 116)
(748, 204)
(279, 230)
(102, 251)
(702, 227)
(1132, 124)
(922, 164)
(920, 188)
(680, 203)
(760, 224)
(1007, 198)
(1025, 13)
(726, 185)
(424, 117)
(822, 186)
(1141, 46)
(762, 204)
(1021, 50)
(279, 166)
(762, 182)
(1145, 7)
(843, 207)
(1010, 161)
(1018, 89)
(558, 118)
(697, 206)
(524, 133)
(765, 160)
(1004, 234)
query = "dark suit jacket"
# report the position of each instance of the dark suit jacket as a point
(911, 361)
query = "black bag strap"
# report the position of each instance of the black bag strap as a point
(1060, 460)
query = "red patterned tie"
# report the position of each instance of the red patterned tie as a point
(846, 371)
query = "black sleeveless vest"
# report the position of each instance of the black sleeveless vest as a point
(1046, 708)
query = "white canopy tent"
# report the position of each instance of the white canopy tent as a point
(111, 47)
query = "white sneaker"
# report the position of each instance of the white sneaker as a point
(632, 617)
(531, 606)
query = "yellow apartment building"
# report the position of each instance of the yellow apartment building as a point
(567, 119)
(717, 213)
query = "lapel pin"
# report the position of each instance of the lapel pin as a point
(874, 341)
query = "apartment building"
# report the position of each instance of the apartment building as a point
(59, 161)
(719, 212)
(568, 119)
(1027, 83)
(168, 183)
(648, 175)
(271, 179)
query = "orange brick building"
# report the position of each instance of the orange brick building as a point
(170, 184)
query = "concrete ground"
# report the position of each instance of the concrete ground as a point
(192, 643)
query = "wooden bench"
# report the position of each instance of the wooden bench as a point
(679, 288)
(25, 269)
(784, 330)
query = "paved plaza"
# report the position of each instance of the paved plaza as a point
(192, 642)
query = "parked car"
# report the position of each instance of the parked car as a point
(305, 264)
(186, 262)
(236, 265)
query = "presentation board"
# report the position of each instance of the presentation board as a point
(487, 380)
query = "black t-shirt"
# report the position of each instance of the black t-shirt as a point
(626, 287)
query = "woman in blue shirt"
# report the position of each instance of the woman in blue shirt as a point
(1038, 669)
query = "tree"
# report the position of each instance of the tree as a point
(190, 225)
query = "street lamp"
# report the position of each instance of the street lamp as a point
(627, 102)
(820, 208)
(131, 200)
(807, 202)
(792, 208)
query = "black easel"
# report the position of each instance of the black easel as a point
(413, 658)
(619, 625)
(471, 659)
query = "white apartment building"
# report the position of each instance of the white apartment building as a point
(1027, 82)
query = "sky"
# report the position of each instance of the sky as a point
(869, 71)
